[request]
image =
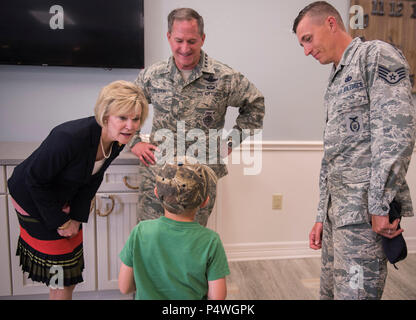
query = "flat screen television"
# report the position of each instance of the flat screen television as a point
(81, 33)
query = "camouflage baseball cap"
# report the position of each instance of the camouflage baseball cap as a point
(183, 184)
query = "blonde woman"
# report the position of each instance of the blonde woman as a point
(52, 189)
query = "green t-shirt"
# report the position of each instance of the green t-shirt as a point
(173, 259)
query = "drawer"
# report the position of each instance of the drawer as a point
(2, 179)
(120, 178)
(116, 178)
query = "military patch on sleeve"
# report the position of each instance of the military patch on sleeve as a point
(390, 76)
(353, 123)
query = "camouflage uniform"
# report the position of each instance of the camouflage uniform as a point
(368, 142)
(199, 102)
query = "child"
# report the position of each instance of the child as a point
(174, 257)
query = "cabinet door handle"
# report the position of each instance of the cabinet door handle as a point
(105, 214)
(92, 205)
(129, 185)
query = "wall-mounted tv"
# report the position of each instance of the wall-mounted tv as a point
(81, 33)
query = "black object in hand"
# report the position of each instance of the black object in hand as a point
(395, 249)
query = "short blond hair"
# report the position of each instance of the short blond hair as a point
(120, 98)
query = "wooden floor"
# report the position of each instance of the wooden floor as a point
(289, 279)
(298, 279)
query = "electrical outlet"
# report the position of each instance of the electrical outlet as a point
(277, 201)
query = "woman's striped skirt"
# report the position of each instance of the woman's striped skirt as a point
(46, 256)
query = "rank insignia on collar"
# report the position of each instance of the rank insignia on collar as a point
(348, 79)
(390, 76)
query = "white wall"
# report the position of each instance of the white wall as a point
(248, 226)
(253, 37)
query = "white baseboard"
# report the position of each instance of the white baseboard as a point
(283, 250)
(411, 244)
(269, 250)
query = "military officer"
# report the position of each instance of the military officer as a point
(190, 93)
(368, 142)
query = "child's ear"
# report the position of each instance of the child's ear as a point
(205, 203)
(155, 191)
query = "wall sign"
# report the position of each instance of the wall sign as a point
(392, 21)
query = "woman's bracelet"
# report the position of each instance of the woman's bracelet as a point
(65, 225)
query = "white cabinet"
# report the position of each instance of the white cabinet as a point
(5, 276)
(116, 206)
(103, 236)
(113, 229)
(120, 178)
(2, 180)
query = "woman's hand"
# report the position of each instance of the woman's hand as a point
(71, 230)
(145, 152)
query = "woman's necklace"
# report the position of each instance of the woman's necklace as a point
(102, 148)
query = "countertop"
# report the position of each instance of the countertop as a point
(12, 153)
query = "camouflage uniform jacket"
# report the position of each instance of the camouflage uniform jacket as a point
(200, 102)
(369, 134)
